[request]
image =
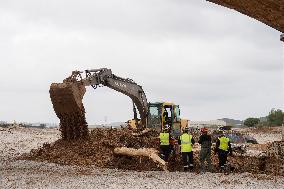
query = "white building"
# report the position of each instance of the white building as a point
(211, 123)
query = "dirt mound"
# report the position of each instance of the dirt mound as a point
(98, 150)
(276, 150)
(67, 98)
(238, 164)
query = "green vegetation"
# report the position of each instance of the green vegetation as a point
(251, 122)
(275, 117)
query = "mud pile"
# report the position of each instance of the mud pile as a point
(67, 98)
(276, 150)
(258, 165)
(98, 150)
(238, 164)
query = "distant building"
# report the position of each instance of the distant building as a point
(211, 123)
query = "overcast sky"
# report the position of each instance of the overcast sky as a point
(212, 61)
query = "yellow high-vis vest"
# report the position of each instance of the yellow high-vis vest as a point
(224, 143)
(164, 139)
(186, 145)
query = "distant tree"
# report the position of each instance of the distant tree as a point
(251, 122)
(275, 117)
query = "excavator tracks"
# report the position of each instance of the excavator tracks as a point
(67, 102)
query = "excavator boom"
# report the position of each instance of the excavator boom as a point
(126, 86)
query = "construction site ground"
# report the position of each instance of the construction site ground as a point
(18, 173)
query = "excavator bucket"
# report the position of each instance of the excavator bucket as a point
(67, 99)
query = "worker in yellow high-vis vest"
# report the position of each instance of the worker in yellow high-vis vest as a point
(165, 149)
(186, 141)
(223, 148)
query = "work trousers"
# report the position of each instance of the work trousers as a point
(187, 158)
(205, 155)
(165, 151)
(222, 156)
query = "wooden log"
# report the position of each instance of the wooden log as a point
(145, 131)
(151, 153)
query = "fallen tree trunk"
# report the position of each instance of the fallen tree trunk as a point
(151, 153)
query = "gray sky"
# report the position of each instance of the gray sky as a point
(210, 60)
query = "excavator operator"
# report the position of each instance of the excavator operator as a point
(165, 117)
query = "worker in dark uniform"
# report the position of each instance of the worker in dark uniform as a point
(205, 152)
(186, 141)
(223, 148)
(165, 149)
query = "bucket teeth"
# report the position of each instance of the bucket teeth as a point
(67, 103)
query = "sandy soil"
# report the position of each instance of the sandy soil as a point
(18, 140)
(267, 137)
(27, 174)
(263, 135)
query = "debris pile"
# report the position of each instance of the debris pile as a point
(276, 149)
(67, 99)
(98, 150)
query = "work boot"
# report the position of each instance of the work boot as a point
(185, 168)
(191, 167)
(227, 169)
(222, 169)
(210, 167)
(202, 167)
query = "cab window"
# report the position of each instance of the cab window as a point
(177, 113)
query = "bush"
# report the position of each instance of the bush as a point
(275, 117)
(251, 122)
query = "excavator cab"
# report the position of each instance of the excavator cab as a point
(164, 114)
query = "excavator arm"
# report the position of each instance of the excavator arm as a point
(126, 86)
(67, 99)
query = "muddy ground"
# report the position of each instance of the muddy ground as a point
(36, 174)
